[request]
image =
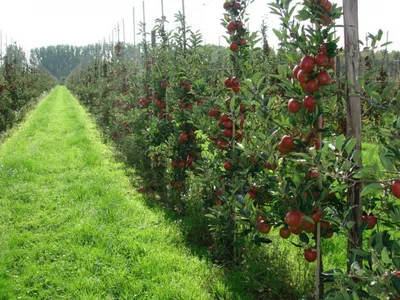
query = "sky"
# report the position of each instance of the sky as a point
(36, 23)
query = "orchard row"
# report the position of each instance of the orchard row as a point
(20, 84)
(249, 141)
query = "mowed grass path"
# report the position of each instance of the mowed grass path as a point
(72, 227)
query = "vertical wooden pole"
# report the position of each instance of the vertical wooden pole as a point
(123, 29)
(118, 32)
(108, 47)
(184, 27)
(319, 286)
(134, 29)
(144, 14)
(353, 112)
(144, 32)
(1, 47)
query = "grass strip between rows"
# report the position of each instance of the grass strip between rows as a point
(72, 227)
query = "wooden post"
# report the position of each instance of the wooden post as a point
(144, 32)
(123, 29)
(184, 27)
(134, 29)
(319, 285)
(153, 38)
(353, 113)
(118, 32)
(144, 14)
(1, 47)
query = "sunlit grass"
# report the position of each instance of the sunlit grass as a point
(72, 227)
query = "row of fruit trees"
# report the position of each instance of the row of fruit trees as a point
(252, 144)
(20, 84)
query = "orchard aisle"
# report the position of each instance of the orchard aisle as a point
(72, 227)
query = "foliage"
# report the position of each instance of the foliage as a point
(20, 84)
(242, 144)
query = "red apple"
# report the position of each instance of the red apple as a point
(309, 103)
(302, 76)
(236, 88)
(287, 142)
(183, 138)
(282, 149)
(310, 255)
(234, 47)
(228, 83)
(371, 220)
(296, 70)
(323, 77)
(293, 217)
(321, 60)
(239, 25)
(294, 106)
(231, 27)
(396, 188)
(284, 232)
(307, 63)
(312, 86)
(227, 132)
(227, 165)
(242, 41)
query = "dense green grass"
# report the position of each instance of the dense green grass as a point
(72, 227)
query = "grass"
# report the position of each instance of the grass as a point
(72, 227)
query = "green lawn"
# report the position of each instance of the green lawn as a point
(72, 227)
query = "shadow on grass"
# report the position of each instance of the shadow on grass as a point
(264, 272)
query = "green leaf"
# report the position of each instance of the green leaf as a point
(345, 295)
(385, 256)
(380, 34)
(349, 146)
(265, 240)
(385, 44)
(340, 141)
(277, 33)
(355, 296)
(396, 262)
(386, 91)
(232, 104)
(350, 224)
(308, 219)
(304, 238)
(375, 96)
(360, 253)
(303, 14)
(371, 188)
(396, 282)
(339, 188)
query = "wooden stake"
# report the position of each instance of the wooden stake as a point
(184, 27)
(353, 113)
(134, 29)
(1, 46)
(319, 286)
(118, 32)
(144, 14)
(123, 29)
